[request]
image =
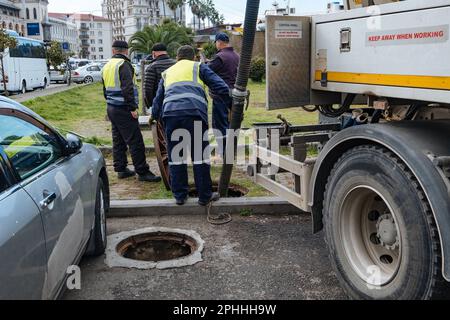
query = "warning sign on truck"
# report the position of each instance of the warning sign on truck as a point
(423, 35)
(288, 30)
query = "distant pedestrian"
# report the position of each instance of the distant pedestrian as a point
(225, 65)
(121, 94)
(160, 63)
(181, 104)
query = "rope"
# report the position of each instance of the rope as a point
(220, 219)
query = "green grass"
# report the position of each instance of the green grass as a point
(83, 110)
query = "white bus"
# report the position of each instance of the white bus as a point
(25, 66)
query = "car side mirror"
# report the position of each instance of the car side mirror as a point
(74, 144)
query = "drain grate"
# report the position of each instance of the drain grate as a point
(157, 247)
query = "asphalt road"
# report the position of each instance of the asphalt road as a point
(260, 257)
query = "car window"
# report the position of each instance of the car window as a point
(3, 183)
(93, 68)
(29, 148)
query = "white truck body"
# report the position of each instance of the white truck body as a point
(397, 50)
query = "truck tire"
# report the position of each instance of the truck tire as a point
(381, 235)
(97, 242)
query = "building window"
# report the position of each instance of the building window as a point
(100, 41)
(28, 14)
(100, 33)
(100, 49)
(99, 25)
(34, 13)
(92, 41)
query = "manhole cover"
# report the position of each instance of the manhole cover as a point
(155, 247)
(149, 248)
(234, 191)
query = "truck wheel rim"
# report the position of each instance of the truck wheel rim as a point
(370, 235)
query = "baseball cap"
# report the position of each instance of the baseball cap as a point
(159, 47)
(222, 37)
(120, 44)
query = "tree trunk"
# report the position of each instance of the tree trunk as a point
(181, 14)
(164, 8)
(6, 93)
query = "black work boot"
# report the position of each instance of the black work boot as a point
(182, 202)
(126, 174)
(149, 177)
(215, 197)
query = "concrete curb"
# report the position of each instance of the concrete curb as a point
(149, 208)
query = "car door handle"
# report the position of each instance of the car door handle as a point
(47, 201)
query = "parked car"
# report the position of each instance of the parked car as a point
(78, 63)
(58, 76)
(54, 198)
(87, 74)
(102, 63)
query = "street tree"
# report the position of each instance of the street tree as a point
(6, 41)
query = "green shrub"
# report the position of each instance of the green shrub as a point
(209, 49)
(258, 69)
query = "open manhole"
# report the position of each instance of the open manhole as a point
(234, 191)
(155, 247)
(149, 248)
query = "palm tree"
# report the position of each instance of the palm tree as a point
(195, 8)
(174, 5)
(164, 8)
(171, 34)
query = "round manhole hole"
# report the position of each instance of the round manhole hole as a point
(149, 248)
(234, 191)
(155, 247)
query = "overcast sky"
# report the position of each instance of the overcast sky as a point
(233, 10)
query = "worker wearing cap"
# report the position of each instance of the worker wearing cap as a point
(160, 63)
(121, 94)
(225, 65)
(181, 104)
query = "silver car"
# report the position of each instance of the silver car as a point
(54, 198)
(87, 74)
(59, 75)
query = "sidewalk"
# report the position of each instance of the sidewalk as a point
(52, 89)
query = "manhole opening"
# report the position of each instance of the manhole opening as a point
(234, 191)
(156, 247)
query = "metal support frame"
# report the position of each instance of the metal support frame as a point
(298, 164)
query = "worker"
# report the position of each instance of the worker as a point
(225, 65)
(121, 94)
(160, 63)
(182, 106)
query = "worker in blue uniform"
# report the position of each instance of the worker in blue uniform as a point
(182, 106)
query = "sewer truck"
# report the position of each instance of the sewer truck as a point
(378, 72)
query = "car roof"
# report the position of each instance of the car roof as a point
(7, 103)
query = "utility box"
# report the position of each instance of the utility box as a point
(288, 52)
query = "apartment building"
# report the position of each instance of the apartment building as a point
(64, 31)
(130, 16)
(95, 36)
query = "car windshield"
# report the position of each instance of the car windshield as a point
(28, 147)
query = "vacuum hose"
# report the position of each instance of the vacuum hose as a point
(239, 94)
